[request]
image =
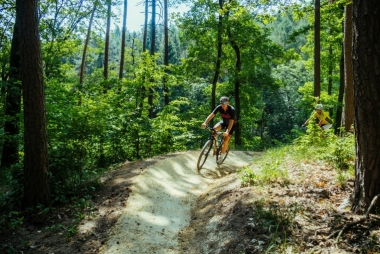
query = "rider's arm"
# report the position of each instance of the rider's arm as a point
(311, 116)
(208, 119)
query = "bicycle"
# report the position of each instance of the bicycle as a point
(215, 144)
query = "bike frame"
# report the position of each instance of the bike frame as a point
(212, 143)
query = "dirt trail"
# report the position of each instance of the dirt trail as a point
(161, 202)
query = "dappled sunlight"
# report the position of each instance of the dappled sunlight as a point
(160, 203)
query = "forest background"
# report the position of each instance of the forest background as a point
(114, 95)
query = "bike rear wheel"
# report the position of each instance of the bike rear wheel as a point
(220, 158)
(204, 154)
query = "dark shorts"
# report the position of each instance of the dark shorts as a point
(225, 126)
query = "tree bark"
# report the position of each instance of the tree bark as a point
(145, 25)
(141, 94)
(12, 106)
(166, 51)
(366, 63)
(36, 183)
(152, 51)
(218, 57)
(237, 85)
(317, 49)
(338, 117)
(348, 70)
(107, 46)
(123, 42)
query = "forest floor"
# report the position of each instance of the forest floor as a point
(163, 205)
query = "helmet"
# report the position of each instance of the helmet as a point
(223, 99)
(318, 106)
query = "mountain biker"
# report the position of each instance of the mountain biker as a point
(322, 118)
(228, 120)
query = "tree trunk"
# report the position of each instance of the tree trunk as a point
(141, 93)
(349, 72)
(317, 50)
(36, 183)
(218, 57)
(166, 51)
(12, 107)
(145, 25)
(107, 46)
(366, 59)
(330, 73)
(123, 42)
(81, 74)
(338, 117)
(152, 51)
(237, 85)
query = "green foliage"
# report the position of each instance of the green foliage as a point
(80, 209)
(343, 155)
(338, 151)
(268, 169)
(14, 220)
(284, 108)
(271, 167)
(344, 175)
(11, 186)
(275, 221)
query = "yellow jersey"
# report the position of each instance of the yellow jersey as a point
(323, 117)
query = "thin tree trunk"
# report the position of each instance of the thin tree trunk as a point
(145, 25)
(36, 178)
(81, 74)
(107, 46)
(152, 51)
(123, 42)
(330, 71)
(338, 117)
(12, 107)
(218, 57)
(349, 72)
(166, 51)
(366, 55)
(141, 93)
(317, 50)
(237, 85)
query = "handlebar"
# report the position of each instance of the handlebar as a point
(213, 130)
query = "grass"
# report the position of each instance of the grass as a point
(273, 168)
(268, 169)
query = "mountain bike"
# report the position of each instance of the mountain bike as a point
(215, 144)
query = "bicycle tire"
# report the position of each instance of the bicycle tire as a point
(204, 154)
(219, 154)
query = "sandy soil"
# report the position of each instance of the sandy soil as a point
(161, 203)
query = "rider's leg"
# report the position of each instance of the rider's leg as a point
(217, 127)
(324, 128)
(225, 143)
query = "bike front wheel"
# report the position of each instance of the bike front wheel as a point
(220, 157)
(204, 154)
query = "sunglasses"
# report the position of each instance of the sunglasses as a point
(223, 102)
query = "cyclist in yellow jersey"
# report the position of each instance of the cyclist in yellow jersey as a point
(324, 120)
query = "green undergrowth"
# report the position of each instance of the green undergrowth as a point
(338, 152)
(274, 221)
